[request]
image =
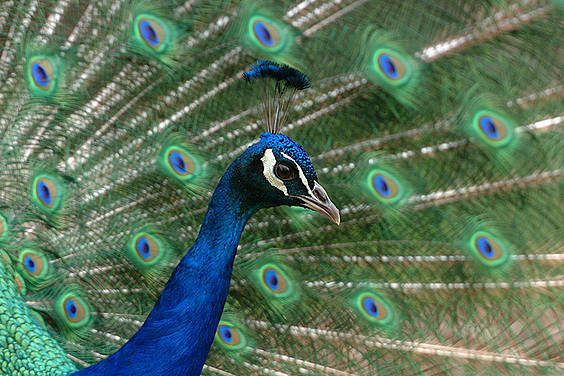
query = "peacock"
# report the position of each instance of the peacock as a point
(160, 212)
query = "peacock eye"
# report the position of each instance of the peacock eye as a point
(285, 171)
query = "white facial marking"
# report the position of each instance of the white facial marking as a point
(269, 161)
(302, 175)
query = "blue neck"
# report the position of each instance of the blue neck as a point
(177, 335)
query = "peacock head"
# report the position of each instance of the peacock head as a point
(277, 171)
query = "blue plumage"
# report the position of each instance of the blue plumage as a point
(263, 34)
(143, 248)
(70, 308)
(177, 162)
(370, 307)
(388, 66)
(271, 279)
(148, 32)
(225, 333)
(29, 264)
(485, 247)
(40, 76)
(267, 69)
(487, 124)
(381, 186)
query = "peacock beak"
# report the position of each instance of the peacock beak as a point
(320, 202)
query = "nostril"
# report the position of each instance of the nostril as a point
(319, 194)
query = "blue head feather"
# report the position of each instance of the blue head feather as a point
(259, 193)
(267, 69)
(284, 144)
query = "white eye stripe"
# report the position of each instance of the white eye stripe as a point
(269, 161)
(301, 174)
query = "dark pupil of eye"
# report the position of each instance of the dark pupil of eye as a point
(283, 171)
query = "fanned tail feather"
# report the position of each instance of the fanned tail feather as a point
(436, 126)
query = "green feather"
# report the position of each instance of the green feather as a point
(48, 193)
(37, 349)
(150, 252)
(435, 126)
(72, 313)
(5, 257)
(276, 284)
(231, 336)
(34, 266)
(4, 229)
(154, 33)
(264, 33)
(388, 65)
(375, 309)
(488, 244)
(487, 123)
(384, 183)
(182, 163)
